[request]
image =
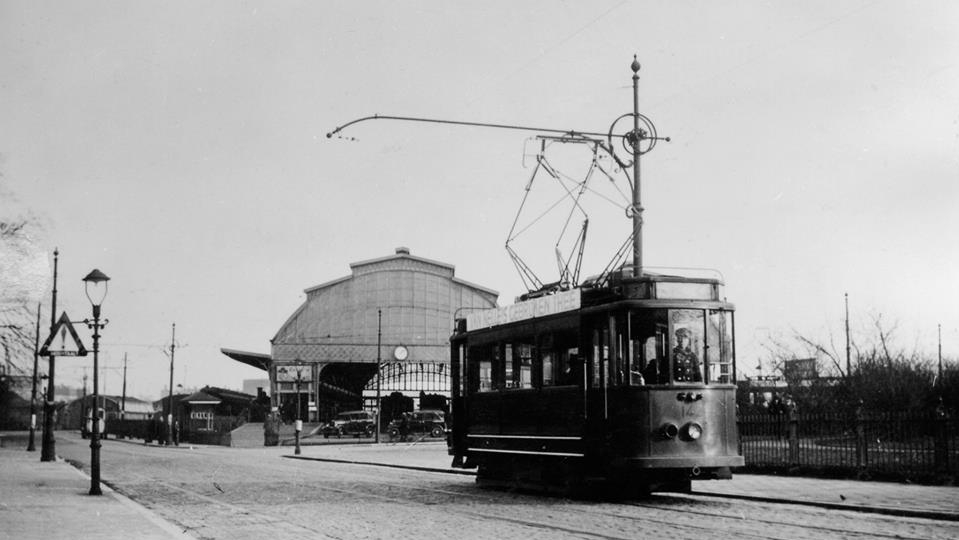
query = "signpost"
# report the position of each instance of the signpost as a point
(65, 328)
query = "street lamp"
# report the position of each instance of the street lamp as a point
(298, 423)
(95, 286)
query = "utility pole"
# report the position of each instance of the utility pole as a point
(848, 355)
(169, 434)
(379, 363)
(123, 398)
(939, 326)
(31, 447)
(48, 451)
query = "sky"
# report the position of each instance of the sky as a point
(181, 148)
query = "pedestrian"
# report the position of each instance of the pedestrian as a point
(404, 426)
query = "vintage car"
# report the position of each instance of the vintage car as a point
(357, 423)
(418, 424)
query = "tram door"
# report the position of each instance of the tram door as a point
(606, 366)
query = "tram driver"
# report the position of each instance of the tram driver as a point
(686, 366)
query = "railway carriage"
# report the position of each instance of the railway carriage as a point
(629, 382)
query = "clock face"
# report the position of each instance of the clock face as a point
(400, 353)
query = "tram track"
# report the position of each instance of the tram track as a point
(880, 510)
(741, 524)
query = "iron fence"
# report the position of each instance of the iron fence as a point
(906, 445)
(216, 432)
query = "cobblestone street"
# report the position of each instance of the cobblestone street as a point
(212, 492)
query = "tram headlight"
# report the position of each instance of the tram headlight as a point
(693, 431)
(669, 430)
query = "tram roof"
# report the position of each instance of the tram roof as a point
(649, 288)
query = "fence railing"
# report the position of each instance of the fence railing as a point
(218, 431)
(917, 446)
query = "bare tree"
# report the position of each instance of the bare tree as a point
(24, 271)
(885, 376)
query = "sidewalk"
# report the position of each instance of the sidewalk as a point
(934, 502)
(50, 501)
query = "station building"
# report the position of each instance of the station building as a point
(382, 329)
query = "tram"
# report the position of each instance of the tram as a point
(630, 382)
(624, 379)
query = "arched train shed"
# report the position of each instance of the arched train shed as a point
(395, 312)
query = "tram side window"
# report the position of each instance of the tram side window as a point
(559, 358)
(511, 379)
(481, 369)
(524, 365)
(568, 366)
(460, 361)
(617, 364)
(719, 356)
(599, 356)
(649, 363)
(687, 332)
(498, 369)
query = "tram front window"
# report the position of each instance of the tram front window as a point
(668, 346)
(719, 351)
(687, 327)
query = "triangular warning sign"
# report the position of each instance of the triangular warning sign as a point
(63, 328)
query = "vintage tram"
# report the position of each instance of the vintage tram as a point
(625, 378)
(628, 382)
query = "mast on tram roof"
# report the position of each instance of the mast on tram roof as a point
(637, 200)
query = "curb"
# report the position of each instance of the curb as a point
(171, 529)
(885, 510)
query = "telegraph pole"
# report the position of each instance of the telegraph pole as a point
(379, 363)
(48, 451)
(31, 447)
(939, 326)
(169, 433)
(848, 355)
(123, 399)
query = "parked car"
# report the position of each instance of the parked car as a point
(351, 423)
(431, 423)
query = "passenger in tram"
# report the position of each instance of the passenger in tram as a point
(686, 366)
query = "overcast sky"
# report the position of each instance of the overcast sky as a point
(180, 147)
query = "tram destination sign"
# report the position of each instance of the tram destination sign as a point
(530, 309)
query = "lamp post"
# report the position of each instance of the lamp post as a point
(297, 423)
(95, 286)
